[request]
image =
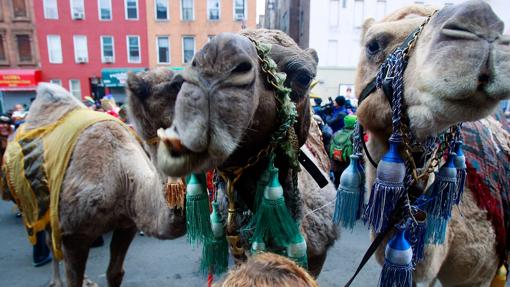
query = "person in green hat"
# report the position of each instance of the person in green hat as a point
(341, 148)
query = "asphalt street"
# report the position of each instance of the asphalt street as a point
(151, 262)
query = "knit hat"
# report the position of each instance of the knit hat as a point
(350, 121)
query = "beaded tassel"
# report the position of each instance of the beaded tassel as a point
(398, 266)
(197, 210)
(439, 209)
(349, 195)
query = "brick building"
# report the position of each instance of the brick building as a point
(88, 46)
(19, 73)
(177, 28)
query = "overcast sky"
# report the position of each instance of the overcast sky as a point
(260, 8)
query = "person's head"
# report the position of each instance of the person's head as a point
(350, 121)
(268, 270)
(339, 101)
(348, 91)
(19, 107)
(108, 104)
(318, 101)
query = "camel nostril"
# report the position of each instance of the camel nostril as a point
(483, 78)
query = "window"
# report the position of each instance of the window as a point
(56, 82)
(77, 9)
(380, 9)
(81, 54)
(105, 9)
(163, 44)
(358, 13)
(107, 49)
(239, 10)
(3, 55)
(131, 9)
(332, 52)
(54, 49)
(213, 9)
(187, 10)
(24, 46)
(75, 88)
(19, 9)
(188, 48)
(133, 43)
(161, 9)
(50, 9)
(334, 5)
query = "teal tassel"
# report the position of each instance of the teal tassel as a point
(439, 209)
(261, 186)
(398, 267)
(297, 251)
(215, 250)
(349, 195)
(272, 221)
(197, 211)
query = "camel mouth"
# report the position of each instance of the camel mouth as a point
(175, 159)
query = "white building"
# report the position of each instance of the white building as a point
(335, 28)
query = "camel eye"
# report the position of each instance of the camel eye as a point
(242, 68)
(303, 79)
(373, 47)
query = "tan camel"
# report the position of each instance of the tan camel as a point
(457, 72)
(225, 113)
(110, 185)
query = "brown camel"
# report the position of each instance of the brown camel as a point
(225, 113)
(109, 185)
(457, 72)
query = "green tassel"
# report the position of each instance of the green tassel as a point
(261, 186)
(297, 251)
(272, 221)
(197, 211)
(215, 251)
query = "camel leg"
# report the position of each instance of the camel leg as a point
(56, 281)
(76, 251)
(121, 239)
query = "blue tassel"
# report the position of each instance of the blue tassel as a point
(415, 233)
(439, 209)
(387, 190)
(349, 195)
(398, 266)
(460, 165)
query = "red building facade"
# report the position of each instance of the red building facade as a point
(85, 42)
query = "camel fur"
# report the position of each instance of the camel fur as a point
(225, 112)
(109, 185)
(457, 72)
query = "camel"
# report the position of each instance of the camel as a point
(224, 114)
(457, 72)
(109, 185)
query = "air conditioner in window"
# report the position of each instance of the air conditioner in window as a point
(82, 60)
(239, 17)
(78, 15)
(108, 59)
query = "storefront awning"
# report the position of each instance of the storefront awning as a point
(19, 79)
(116, 77)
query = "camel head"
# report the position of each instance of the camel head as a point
(151, 101)
(458, 70)
(225, 111)
(51, 103)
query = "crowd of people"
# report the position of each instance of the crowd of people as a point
(336, 120)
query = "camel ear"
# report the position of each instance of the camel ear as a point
(170, 88)
(138, 86)
(366, 25)
(314, 54)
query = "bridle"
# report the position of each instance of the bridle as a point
(393, 66)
